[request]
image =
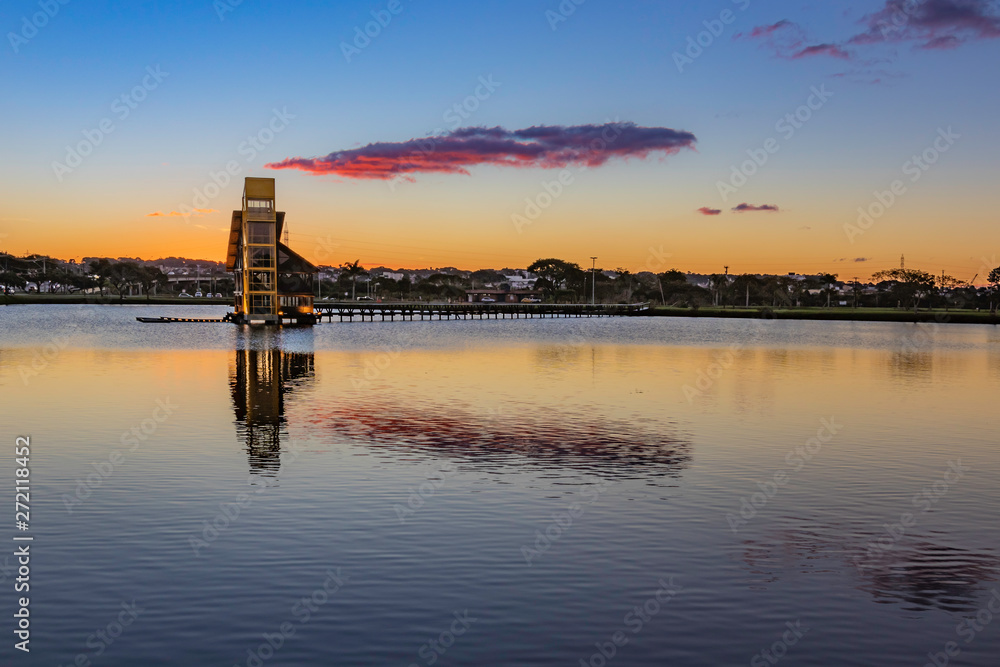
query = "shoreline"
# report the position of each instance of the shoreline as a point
(841, 314)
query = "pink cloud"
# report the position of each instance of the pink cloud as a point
(543, 146)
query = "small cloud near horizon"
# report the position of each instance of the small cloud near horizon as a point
(198, 212)
(704, 210)
(744, 207)
(455, 152)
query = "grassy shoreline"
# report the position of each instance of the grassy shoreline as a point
(953, 316)
(838, 314)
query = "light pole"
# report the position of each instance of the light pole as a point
(593, 283)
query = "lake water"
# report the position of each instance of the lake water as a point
(641, 491)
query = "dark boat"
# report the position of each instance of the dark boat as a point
(154, 320)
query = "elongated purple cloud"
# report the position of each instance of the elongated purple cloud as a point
(542, 146)
(744, 208)
(705, 210)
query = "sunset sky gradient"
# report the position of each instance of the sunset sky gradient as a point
(462, 134)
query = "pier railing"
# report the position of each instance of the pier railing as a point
(368, 310)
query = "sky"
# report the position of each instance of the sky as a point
(763, 137)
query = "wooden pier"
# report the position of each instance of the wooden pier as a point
(348, 310)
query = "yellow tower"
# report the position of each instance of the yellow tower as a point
(273, 283)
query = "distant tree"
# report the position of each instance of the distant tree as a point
(946, 287)
(828, 282)
(995, 282)
(101, 268)
(777, 289)
(719, 284)
(908, 285)
(994, 278)
(673, 276)
(625, 280)
(555, 274)
(353, 270)
(122, 275)
(384, 286)
(84, 282)
(673, 279)
(149, 277)
(746, 285)
(484, 277)
(946, 282)
(10, 281)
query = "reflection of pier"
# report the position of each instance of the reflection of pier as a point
(472, 311)
(259, 380)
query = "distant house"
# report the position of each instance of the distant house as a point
(500, 296)
(518, 282)
(274, 284)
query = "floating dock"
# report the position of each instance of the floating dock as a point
(168, 320)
